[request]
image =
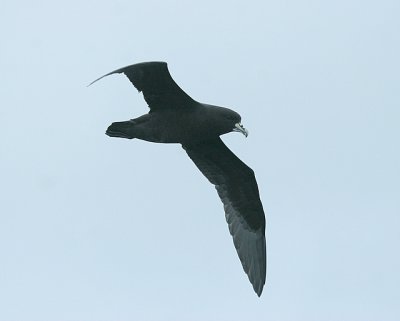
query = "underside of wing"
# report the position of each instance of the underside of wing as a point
(159, 89)
(237, 187)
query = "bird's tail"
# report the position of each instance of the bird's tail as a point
(123, 129)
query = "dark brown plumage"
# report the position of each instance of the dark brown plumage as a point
(175, 117)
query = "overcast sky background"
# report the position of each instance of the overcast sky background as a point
(95, 228)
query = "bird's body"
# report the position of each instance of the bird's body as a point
(161, 126)
(175, 117)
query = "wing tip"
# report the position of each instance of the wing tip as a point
(258, 288)
(94, 81)
(123, 69)
(256, 269)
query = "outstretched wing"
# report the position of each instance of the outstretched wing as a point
(238, 190)
(159, 89)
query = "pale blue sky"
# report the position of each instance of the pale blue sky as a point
(94, 228)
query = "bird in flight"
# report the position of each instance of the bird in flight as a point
(175, 117)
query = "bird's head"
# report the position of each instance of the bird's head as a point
(230, 121)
